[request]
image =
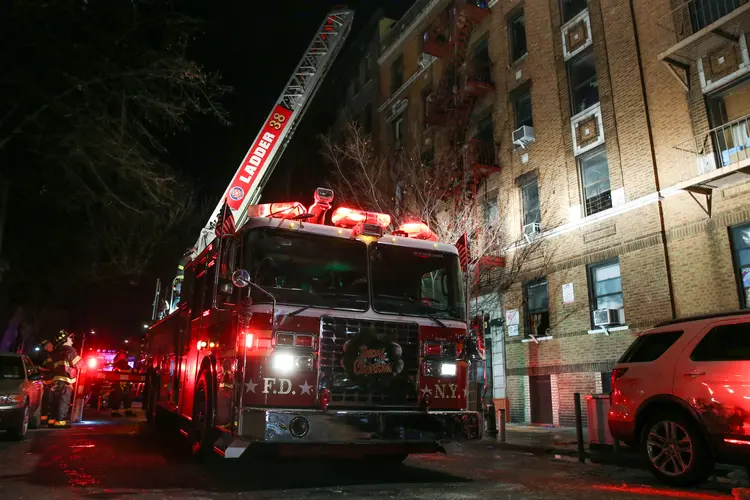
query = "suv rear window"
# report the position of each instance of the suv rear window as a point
(649, 347)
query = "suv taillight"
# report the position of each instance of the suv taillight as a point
(617, 373)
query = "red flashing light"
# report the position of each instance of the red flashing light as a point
(206, 312)
(350, 217)
(286, 210)
(417, 230)
(432, 349)
(92, 362)
(303, 340)
(249, 340)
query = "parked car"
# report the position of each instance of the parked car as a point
(20, 394)
(681, 392)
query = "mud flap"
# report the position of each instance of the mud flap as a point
(230, 447)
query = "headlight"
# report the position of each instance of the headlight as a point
(448, 370)
(11, 399)
(282, 363)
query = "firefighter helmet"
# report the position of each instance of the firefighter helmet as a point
(61, 337)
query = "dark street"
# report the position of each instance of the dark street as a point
(126, 459)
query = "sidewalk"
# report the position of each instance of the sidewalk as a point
(561, 443)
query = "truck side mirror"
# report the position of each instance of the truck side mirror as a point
(241, 278)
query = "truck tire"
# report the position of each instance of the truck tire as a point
(204, 432)
(676, 450)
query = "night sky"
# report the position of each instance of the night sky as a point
(255, 45)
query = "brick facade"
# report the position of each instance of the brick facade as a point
(672, 255)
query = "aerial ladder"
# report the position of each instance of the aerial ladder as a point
(266, 150)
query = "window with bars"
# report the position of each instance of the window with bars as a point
(597, 194)
(537, 308)
(605, 286)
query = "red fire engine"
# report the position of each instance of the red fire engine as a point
(298, 333)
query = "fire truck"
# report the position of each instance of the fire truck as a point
(310, 327)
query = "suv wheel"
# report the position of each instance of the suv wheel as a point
(676, 450)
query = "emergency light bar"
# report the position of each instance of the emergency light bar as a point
(416, 230)
(287, 210)
(350, 217)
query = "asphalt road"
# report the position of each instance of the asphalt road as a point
(106, 459)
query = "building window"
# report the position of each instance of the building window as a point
(605, 287)
(530, 201)
(491, 211)
(425, 103)
(399, 126)
(572, 7)
(537, 308)
(584, 91)
(397, 74)
(517, 36)
(367, 119)
(740, 238)
(522, 109)
(597, 195)
(481, 64)
(364, 70)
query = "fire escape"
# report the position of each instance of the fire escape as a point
(465, 80)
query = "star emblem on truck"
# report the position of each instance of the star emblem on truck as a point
(250, 386)
(425, 391)
(305, 388)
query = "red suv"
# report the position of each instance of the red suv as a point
(682, 393)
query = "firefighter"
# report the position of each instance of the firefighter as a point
(45, 363)
(121, 390)
(64, 362)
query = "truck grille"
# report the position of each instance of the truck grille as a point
(402, 389)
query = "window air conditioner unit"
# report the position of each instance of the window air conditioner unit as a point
(425, 60)
(532, 231)
(523, 136)
(724, 64)
(576, 34)
(606, 317)
(396, 109)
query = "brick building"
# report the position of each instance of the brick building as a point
(620, 129)
(356, 77)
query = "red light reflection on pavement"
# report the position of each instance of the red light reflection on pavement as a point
(78, 478)
(649, 491)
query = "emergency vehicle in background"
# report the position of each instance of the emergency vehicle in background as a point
(293, 333)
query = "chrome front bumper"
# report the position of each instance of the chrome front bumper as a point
(357, 426)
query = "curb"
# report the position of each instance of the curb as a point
(627, 459)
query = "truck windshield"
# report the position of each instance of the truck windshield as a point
(308, 270)
(416, 282)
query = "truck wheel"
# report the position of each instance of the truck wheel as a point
(204, 432)
(676, 450)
